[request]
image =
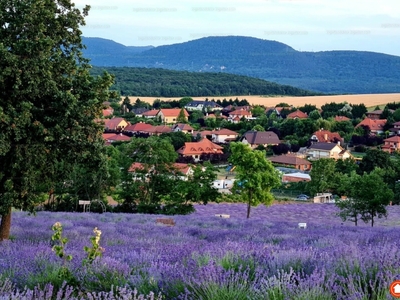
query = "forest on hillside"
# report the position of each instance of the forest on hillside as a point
(154, 82)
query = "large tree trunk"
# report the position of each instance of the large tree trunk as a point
(5, 226)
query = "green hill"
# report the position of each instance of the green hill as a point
(152, 82)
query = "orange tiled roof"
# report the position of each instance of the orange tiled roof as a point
(298, 114)
(224, 131)
(150, 113)
(374, 125)
(240, 112)
(327, 136)
(205, 146)
(138, 127)
(393, 139)
(173, 112)
(341, 118)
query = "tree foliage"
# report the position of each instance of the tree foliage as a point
(48, 100)
(255, 175)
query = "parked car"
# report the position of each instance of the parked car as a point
(303, 196)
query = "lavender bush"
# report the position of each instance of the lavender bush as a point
(205, 257)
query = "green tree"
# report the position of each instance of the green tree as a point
(48, 100)
(181, 117)
(322, 176)
(258, 111)
(368, 197)
(375, 158)
(146, 185)
(184, 101)
(258, 128)
(255, 175)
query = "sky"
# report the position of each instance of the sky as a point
(305, 25)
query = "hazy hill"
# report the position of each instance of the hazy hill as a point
(169, 83)
(328, 72)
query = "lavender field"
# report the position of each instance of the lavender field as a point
(205, 257)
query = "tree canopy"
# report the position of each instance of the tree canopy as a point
(48, 101)
(255, 175)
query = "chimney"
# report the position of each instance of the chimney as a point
(325, 137)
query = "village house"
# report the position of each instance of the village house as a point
(170, 115)
(392, 144)
(291, 160)
(298, 114)
(375, 126)
(157, 130)
(295, 177)
(196, 149)
(327, 150)
(326, 136)
(137, 128)
(180, 127)
(202, 105)
(115, 137)
(138, 112)
(260, 138)
(395, 129)
(222, 136)
(150, 114)
(376, 114)
(115, 124)
(237, 115)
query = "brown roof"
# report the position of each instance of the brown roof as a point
(373, 125)
(159, 129)
(298, 114)
(150, 113)
(205, 146)
(289, 159)
(173, 112)
(261, 137)
(327, 136)
(341, 118)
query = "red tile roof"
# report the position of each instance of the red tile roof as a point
(116, 137)
(113, 123)
(240, 112)
(137, 127)
(327, 136)
(205, 146)
(173, 112)
(374, 125)
(341, 118)
(183, 127)
(224, 131)
(393, 139)
(181, 167)
(107, 112)
(298, 114)
(158, 129)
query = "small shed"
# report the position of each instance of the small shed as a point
(324, 198)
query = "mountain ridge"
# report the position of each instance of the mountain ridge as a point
(333, 72)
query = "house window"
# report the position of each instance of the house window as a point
(173, 120)
(196, 156)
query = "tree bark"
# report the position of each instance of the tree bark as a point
(249, 205)
(5, 226)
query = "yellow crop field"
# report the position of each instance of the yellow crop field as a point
(369, 100)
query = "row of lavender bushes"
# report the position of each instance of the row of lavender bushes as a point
(203, 256)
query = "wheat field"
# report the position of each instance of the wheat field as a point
(369, 100)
